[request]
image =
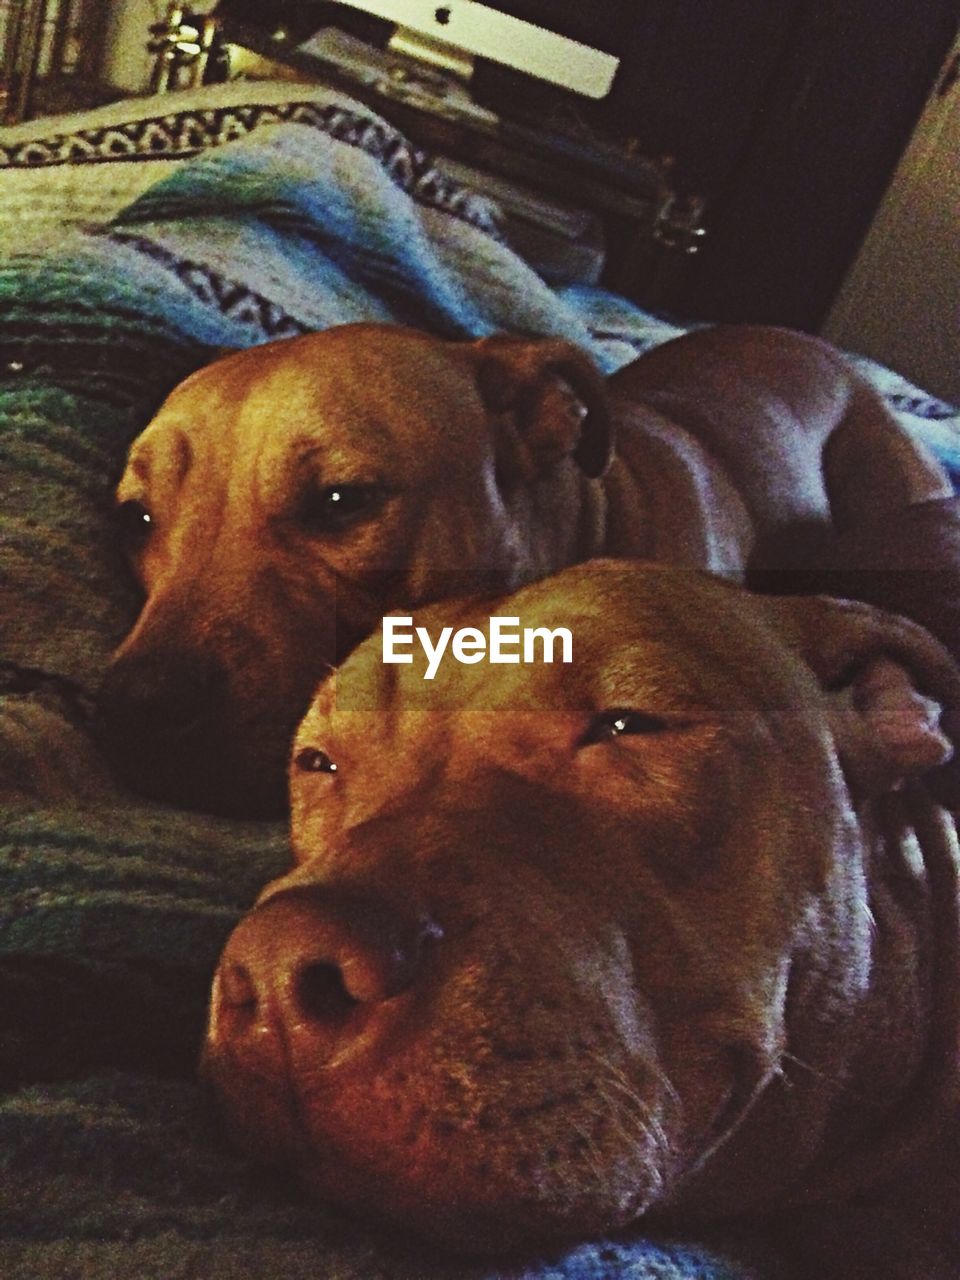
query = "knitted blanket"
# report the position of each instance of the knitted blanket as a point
(133, 243)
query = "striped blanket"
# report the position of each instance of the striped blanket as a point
(133, 243)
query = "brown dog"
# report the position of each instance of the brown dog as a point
(285, 498)
(670, 931)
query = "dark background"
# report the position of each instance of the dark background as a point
(789, 116)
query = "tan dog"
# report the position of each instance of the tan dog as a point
(670, 931)
(286, 497)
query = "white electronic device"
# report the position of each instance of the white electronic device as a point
(449, 33)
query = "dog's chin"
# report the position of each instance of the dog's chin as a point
(473, 1221)
(453, 1189)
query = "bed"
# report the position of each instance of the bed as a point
(135, 242)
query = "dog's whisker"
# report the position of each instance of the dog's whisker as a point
(627, 1110)
(594, 1157)
(838, 1080)
(617, 1076)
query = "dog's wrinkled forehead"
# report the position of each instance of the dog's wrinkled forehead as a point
(641, 637)
(822, 678)
(337, 390)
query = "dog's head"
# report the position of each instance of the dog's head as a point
(565, 944)
(285, 497)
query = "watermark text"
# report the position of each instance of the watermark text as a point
(504, 641)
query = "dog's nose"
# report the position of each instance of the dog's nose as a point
(317, 962)
(159, 693)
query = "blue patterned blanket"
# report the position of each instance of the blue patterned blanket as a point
(131, 246)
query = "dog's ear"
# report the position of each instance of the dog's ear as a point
(894, 693)
(886, 730)
(555, 396)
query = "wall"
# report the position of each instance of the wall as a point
(900, 302)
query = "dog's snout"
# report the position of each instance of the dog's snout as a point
(160, 693)
(318, 963)
(174, 726)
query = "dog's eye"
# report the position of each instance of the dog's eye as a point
(335, 506)
(620, 723)
(134, 523)
(313, 760)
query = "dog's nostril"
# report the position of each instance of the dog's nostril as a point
(315, 964)
(237, 988)
(321, 994)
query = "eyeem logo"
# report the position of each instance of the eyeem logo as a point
(504, 642)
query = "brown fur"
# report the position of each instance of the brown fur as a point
(529, 980)
(490, 465)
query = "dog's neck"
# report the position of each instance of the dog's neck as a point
(906, 1065)
(860, 1096)
(667, 500)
